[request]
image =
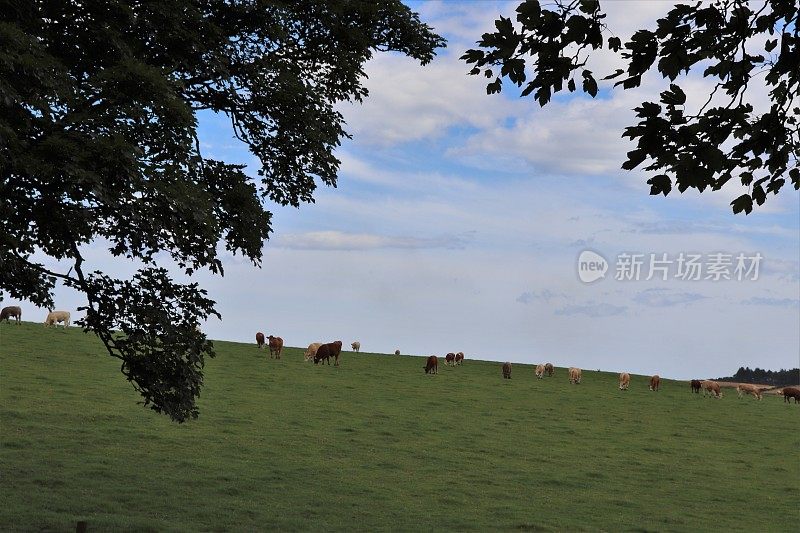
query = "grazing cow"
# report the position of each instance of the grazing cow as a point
(655, 383)
(548, 367)
(397, 352)
(540, 371)
(275, 347)
(432, 365)
(450, 359)
(11, 311)
(311, 351)
(575, 375)
(326, 351)
(624, 381)
(356, 346)
(260, 340)
(506, 370)
(711, 387)
(747, 388)
(460, 358)
(791, 392)
(697, 385)
(54, 317)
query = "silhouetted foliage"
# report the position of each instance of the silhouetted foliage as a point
(98, 143)
(731, 40)
(777, 378)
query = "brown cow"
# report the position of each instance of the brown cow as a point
(696, 385)
(326, 351)
(747, 388)
(460, 358)
(260, 340)
(548, 367)
(575, 375)
(711, 387)
(791, 392)
(432, 365)
(275, 347)
(539, 371)
(506, 370)
(624, 381)
(655, 383)
(11, 311)
(450, 359)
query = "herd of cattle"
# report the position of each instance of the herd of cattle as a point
(52, 319)
(320, 352)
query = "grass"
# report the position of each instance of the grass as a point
(378, 445)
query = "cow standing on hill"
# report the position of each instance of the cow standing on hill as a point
(450, 359)
(575, 375)
(11, 311)
(356, 346)
(696, 385)
(326, 351)
(260, 340)
(275, 347)
(548, 367)
(711, 387)
(624, 381)
(539, 371)
(311, 351)
(460, 358)
(431, 365)
(747, 388)
(655, 383)
(791, 392)
(54, 317)
(506, 370)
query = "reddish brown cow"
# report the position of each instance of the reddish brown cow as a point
(260, 340)
(450, 359)
(624, 381)
(460, 358)
(326, 351)
(549, 370)
(432, 365)
(655, 383)
(275, 347)
(696, 385)
(791, 392)
(506, 370)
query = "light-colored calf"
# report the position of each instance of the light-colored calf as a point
(54, 317)
(747, 388)
(311, 351)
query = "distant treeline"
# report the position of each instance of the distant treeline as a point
(777, 378)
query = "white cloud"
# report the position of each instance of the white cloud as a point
(337, 240)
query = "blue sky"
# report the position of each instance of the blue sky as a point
(459, 217)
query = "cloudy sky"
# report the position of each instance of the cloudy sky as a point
(459, 219)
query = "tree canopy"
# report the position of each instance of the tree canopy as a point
(731, 41)
(98, 142)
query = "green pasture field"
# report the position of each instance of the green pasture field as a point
(377, 445)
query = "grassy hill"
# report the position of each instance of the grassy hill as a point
(378, 445)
